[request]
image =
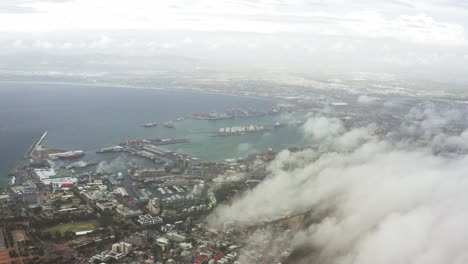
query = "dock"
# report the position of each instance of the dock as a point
(34, 147)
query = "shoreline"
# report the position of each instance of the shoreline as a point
(120, 86)
(71, 85)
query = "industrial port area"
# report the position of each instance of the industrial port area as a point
(153, 206)
(233, 132)
(62, 207)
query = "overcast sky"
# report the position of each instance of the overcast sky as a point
(393, 35)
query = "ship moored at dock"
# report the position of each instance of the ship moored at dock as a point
(111, 149)
(67, 155)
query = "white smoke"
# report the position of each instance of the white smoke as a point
(390, 201)
(115, 165)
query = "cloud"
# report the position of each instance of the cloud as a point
(387, 200)
(21, 6)
(102, 42)
(240, 16)
(321, 128)
(367, 100)
(427, 121)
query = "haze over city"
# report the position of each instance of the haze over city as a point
(416, 39)
(234, 132)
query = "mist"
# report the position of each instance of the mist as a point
(379, 199)
(414, 40)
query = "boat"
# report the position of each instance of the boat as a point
(150, 124)
(169, 124)
(278, 124)
(274, 112)
(79, 164)
(132, 165)
(67, 155)
(212, 116)
(180, 119)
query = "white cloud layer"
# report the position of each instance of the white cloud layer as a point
(330, 18)
(420, 39)
(389, 201)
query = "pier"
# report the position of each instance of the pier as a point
(34, 147)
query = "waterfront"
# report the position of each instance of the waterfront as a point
(91, 117)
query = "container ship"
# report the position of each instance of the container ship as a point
(240, 130)
(67, 155)
(212, 116)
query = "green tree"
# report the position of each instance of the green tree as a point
(58, 235)
(106, 219)
(37, 210)
(69, 234)
(46, 235)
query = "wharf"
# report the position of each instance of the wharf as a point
(34, 147)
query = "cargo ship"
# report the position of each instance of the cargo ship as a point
(212, 116)
(67, 155)
(150, 124)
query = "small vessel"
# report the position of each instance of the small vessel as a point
(278, 124)
(180, 119)
(274, 112)
(132, 165)
(150, 124)
(169, 124)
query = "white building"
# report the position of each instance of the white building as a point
(122, 247)
(147, 219)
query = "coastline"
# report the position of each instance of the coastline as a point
(34, 87)
(120, 86)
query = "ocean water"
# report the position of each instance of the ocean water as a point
(86, 118)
